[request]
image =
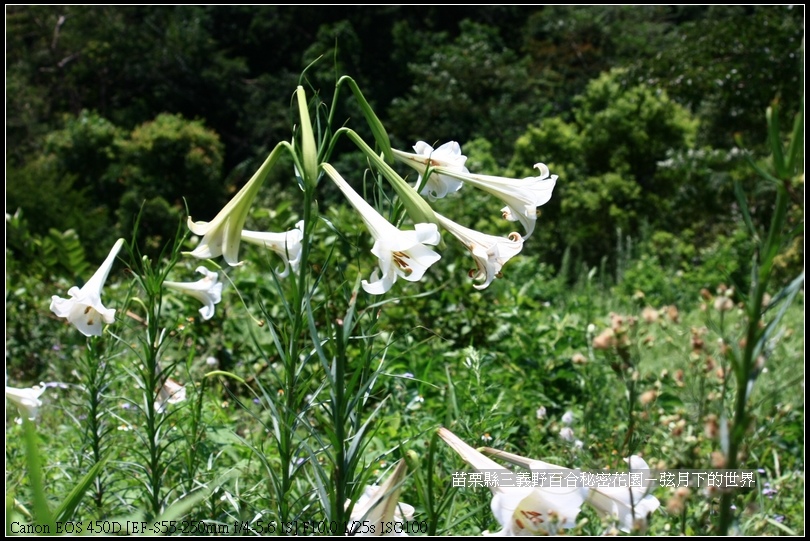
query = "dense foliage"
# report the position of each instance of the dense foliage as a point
(89, 87)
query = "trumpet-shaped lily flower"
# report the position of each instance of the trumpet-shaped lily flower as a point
(448, 155)
(207, 290)
(287, 245)
(401, 253)
(522, 196)
(84, 309)
(489, 252)
(631, 506)
(27, 400)
(378, 511)
(221, 235)
(523, 510)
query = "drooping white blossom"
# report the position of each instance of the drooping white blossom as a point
(84, 309)
(207, 290)
(401, 253)
(447, 155)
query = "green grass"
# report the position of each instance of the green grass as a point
(482, 368)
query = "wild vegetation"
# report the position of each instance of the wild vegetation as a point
(318, 179)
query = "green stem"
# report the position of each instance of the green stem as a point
(744, 371)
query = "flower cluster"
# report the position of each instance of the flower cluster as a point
(442, 171)
(541, 510)
(401, 253)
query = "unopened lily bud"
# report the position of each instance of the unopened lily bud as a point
(412, 459)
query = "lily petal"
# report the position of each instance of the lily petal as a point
(489, 252)
(287, 245)
(207, 290)
(171, 392)
(448, 155)
(27, 400)
(536, 510)
(379, 506)
(630, 506)
(522, 196)
(528, 463)
(84, 309)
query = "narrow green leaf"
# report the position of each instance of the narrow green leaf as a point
(42, 513)
(743, 202)
(796, 146)
(774, 139)
(68, 507)
(226, 374)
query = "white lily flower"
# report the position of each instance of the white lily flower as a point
(221, 236)
(379, 511)
(448, 155)
(523, 510)
(207, 290)
(401, 253)
(84, 309)
(489, 252)
(287, 245)
(522, 196)
(171, 392)
(27, 400)
(630, 506)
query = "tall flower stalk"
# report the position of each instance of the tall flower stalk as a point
(97, 377)
(748, 356)
(152, 374)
